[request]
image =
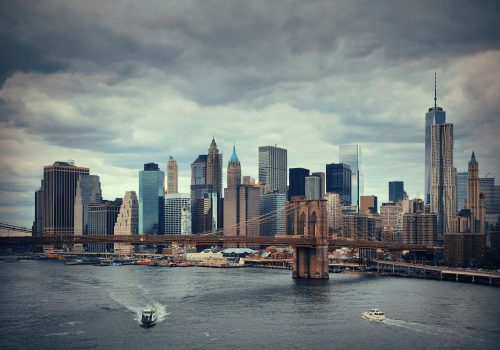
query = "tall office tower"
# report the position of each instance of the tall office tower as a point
(420, 228)
(186, 220)
(492, 192)
(397, 191)
(473, 187)
(333, 213)
(102, 219)
(273, 168)
(435, 116)
(313, 187)
(351, 155)
(272, 211)
(37, 228)
(462, 190)
(368, 204)
(88, 191)
(297, 182)
(322, 184)
(355, 227)
(172, 176)
(389, 213)
(214, 168)
(443, 188)
(199, 191)
(174, 205)
(338, 180)
(127, 222)
(233, 170)
(59, 190)
(151, 203)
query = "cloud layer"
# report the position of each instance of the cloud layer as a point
(116, 85)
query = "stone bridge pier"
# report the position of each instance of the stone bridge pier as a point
(307, 218)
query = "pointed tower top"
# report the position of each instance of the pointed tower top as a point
(213, 144)
(234, 157)
(473, 158)
(435, 90)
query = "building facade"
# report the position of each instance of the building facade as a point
(462, 190)
(338, 180)
(368, 204)
(174, 205)
(397, 191)
(151, 206)
(127, 222)
(214, 168)
(420, 228)
(351, 155)
(172, 176)
(297, 182)
(59, 190)
(88, 191)
(443, 176)
(355, 227)
(334, 213)
(272, 211)
(389, 213)
(273, 168)
(313, 187)
(322, 185)
(102, 219)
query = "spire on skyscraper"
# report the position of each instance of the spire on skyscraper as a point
(234, 157)
(435, 90)
(473, 158)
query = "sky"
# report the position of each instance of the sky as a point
(113, 85)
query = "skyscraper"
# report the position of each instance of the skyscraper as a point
(322, 184)
(214, 168)
(435, 116)
(88, 191)
(443, 187)
(199, 187)
(462, 190)
(338, 180)
(272, 209)
(273, 168)
(297, 182)
(172, 176)
(151, 205)
(333, 213)
(174, 205)
(351, 155)
(37, 228)
(473, 187)
(396, 191)
(59, 190)
(313, 187)
(127, 222)
(102, 219)
(241, 202)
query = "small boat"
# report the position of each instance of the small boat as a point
(149, 317)
(73, 262)
(374, 315)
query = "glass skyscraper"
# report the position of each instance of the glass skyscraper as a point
(151, 202)
(273, 168)
(297, 182)
(338, 180)
(461, 190)
(351, 155)
(396, 191)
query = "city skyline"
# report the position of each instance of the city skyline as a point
(111, 113)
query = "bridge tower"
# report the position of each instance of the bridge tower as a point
(307, 218)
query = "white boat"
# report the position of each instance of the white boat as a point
(374, 315)
(149, 317)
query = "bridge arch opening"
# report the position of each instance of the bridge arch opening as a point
(312, 224)
(302, 224)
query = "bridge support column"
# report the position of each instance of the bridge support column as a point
(311, 262)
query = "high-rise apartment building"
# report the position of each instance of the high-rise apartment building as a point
(59, 189)
(172, 176)
(273, 168)
(355, 227)
(462, 190)
(397, 191)
(175, 203)
(127, 222)
(368, 204)
(338, 180)
(151, 205)
(297, 182)
(351, 155)
(389, 213)
(420, 228)
(88, 191)
(435, 116)
(443, 187)
(313, 187)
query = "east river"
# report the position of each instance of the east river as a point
(48, 305)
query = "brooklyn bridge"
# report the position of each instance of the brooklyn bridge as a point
(307, 234)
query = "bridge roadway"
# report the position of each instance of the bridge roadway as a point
(211, 239)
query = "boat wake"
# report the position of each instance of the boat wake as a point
(137, 299)
(418, 327)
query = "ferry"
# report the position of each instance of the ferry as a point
(374, 315)
(149, 317)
